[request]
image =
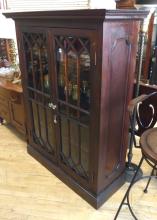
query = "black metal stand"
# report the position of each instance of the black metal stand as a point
(126, 200)
(130, 172)
(130, 167)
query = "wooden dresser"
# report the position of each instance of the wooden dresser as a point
(11, 105)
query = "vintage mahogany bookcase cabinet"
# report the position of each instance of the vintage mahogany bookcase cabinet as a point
(78, 69)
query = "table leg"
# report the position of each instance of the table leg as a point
(1, 120)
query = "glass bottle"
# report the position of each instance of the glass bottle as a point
(75, 92)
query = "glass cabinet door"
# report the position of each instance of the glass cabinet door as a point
(38, 90)
(73, 70)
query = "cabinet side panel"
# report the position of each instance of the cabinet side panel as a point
(119, 55)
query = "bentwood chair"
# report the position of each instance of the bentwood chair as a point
(148, 145)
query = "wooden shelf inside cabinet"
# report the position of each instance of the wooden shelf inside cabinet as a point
(78, 71)
(11, 104)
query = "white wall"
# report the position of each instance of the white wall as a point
(108, 4)
(7, 29)
(2, 4)
(35, 5)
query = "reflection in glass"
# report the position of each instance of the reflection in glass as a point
(43, 128)
(46, 100)
(84, 118)
(85, 148)
(65, 136)
(74, 93)
(73, 70)
(51, 129)
(42, 123)
(62, 108)
(31, 94)
(73, 113)
(37, 62)
(75, 146)
(60, 70)
(35, 120)
(85, 82)
(74, 142)
(72, 77)
(39, 97)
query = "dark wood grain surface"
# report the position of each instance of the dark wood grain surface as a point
(95, 166)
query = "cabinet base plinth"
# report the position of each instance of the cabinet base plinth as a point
(95, 200)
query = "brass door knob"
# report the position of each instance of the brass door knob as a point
(53, 106)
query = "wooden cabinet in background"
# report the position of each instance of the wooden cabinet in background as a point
(78, 71)
(16, 107)
(11, 105)
(4, 104)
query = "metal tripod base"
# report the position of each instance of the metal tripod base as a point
(130, 172)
